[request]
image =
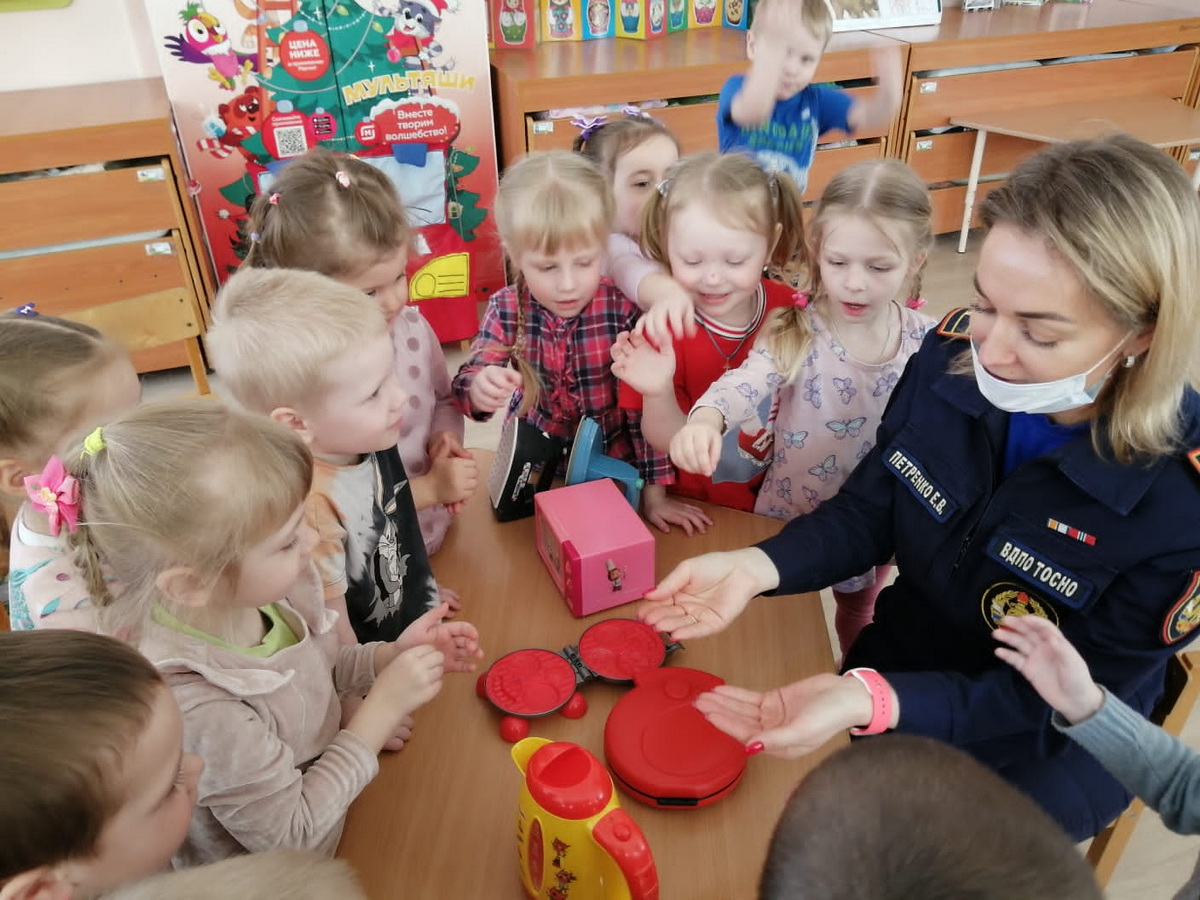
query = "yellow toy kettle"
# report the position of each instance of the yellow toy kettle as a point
(574, 842)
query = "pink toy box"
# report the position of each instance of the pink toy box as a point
(599, 552)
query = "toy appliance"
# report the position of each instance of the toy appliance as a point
(588, 462)
(525, 462)
(526, 684)
(574, 842)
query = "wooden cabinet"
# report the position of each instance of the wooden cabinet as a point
(118, 226)
(687, 70)
(1030, 58)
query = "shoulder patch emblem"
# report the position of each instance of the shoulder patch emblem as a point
(1184, 614)
(956, 324)
(1007, 599)
(1194, 458)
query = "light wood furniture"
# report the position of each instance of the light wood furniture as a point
(75, 241)
(1171, 714)
(1043, 41)
(1155, 120)
(687, 68)
(439, 820)
(151, 321)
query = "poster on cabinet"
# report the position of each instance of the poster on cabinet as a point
(402, 84)
(853, 15)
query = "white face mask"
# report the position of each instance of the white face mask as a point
(1042, 398)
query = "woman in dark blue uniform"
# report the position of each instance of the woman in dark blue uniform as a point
(1040, 456)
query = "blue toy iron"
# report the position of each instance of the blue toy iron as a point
(588, 463)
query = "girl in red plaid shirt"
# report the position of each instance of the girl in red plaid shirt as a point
(543, 347)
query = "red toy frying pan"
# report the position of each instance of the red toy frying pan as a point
(526, 684)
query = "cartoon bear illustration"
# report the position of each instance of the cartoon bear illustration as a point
(235, 121)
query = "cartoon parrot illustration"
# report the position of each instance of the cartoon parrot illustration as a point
(205, 41)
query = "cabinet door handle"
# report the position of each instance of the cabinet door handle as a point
(159, 248)
(928, 87)
(155, 173)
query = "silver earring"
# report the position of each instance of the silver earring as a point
(1129, 361)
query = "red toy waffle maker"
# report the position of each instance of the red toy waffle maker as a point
(526, 684)
(662, 751)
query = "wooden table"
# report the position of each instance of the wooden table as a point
(439, 820)
(1158, 121)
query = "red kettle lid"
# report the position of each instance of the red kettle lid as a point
(568, 781)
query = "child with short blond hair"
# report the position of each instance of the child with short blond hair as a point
(775, 112)
(341, 216)
(57, 378)
(313, 354)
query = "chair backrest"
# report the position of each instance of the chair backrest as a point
(1171, 713)
(151, 320)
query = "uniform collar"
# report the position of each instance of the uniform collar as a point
(1117, 486)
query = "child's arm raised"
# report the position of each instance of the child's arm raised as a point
(878, 110)
(1156, 766)
(753, 104)
(649, 370)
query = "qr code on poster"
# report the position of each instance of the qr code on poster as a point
(290, 142)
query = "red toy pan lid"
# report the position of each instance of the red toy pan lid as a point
(529, 682)
(617, 649)
(661, 747)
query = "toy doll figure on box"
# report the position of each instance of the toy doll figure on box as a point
(703, 14)
(561, 19)
(600, 22)
(514, 22)
(676, 15)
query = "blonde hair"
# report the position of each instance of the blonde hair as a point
(268, 875)
(329, 213)
(74, 704)
(814, 15)
(47, 366)
(609, 141)
(894, 199)
(547, 202)
(163, 491)
(275, 329)
(1123, 215)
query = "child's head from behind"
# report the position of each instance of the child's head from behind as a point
(553, 213)
(337, 215)
(96, 788)
(188, 503)
(716, 221)
(927, 821)
(56, 378)
(804, 27)
(314, 354)
(871, 234)
(634, 153)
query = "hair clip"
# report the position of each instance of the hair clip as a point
(634, 112)
(773, 184)
(27, 310)
(801, 299)
(587, 127)
(274, 198)
(55, 493)
(255, 237)
(94, 442)
(914, 302)
(342, 178)
(663, 186)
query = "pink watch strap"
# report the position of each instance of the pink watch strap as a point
(881, 700)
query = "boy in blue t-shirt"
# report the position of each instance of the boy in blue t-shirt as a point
(775, 111)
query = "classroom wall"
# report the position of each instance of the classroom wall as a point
(88, 42)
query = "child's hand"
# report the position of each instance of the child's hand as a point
(445, 444)
(696, 447)
(889, 77)
(671, 311)
(407, 682)
(457, 641)
(644, 367)
(662, 510)
(451, 599)
(454, 477)
(492, 387)
(1038, 650)
(401, 736)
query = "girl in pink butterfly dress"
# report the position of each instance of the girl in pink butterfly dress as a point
(809, 397)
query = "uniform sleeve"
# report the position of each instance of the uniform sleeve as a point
(833, 109)
(251, 783)
(329, 555)
(490, 348)
(627, 266)
(727, 129)
(1156, 766)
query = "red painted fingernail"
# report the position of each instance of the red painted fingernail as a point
(754, 748)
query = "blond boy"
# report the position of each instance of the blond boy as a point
(775, 112)
(315, 355)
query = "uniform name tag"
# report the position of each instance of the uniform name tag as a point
(1065, 585)
(910, 471)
